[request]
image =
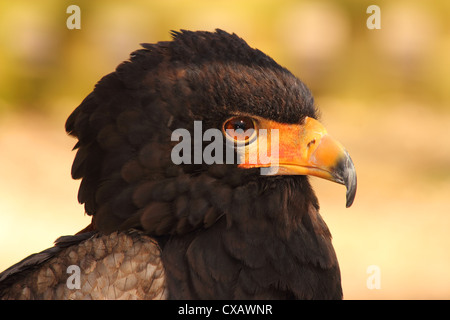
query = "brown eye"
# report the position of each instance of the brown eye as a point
(240, 128)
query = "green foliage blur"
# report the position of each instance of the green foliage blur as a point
(45, 67)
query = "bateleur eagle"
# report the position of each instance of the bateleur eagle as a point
(196, 229)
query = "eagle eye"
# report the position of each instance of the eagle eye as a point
(240, 129)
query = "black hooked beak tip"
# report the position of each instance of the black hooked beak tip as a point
(344, 173)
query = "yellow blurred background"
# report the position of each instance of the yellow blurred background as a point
(385, 94)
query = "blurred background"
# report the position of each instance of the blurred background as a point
(385, 94)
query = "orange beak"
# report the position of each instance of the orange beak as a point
(304, 149)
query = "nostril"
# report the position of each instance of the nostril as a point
(311, 143)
